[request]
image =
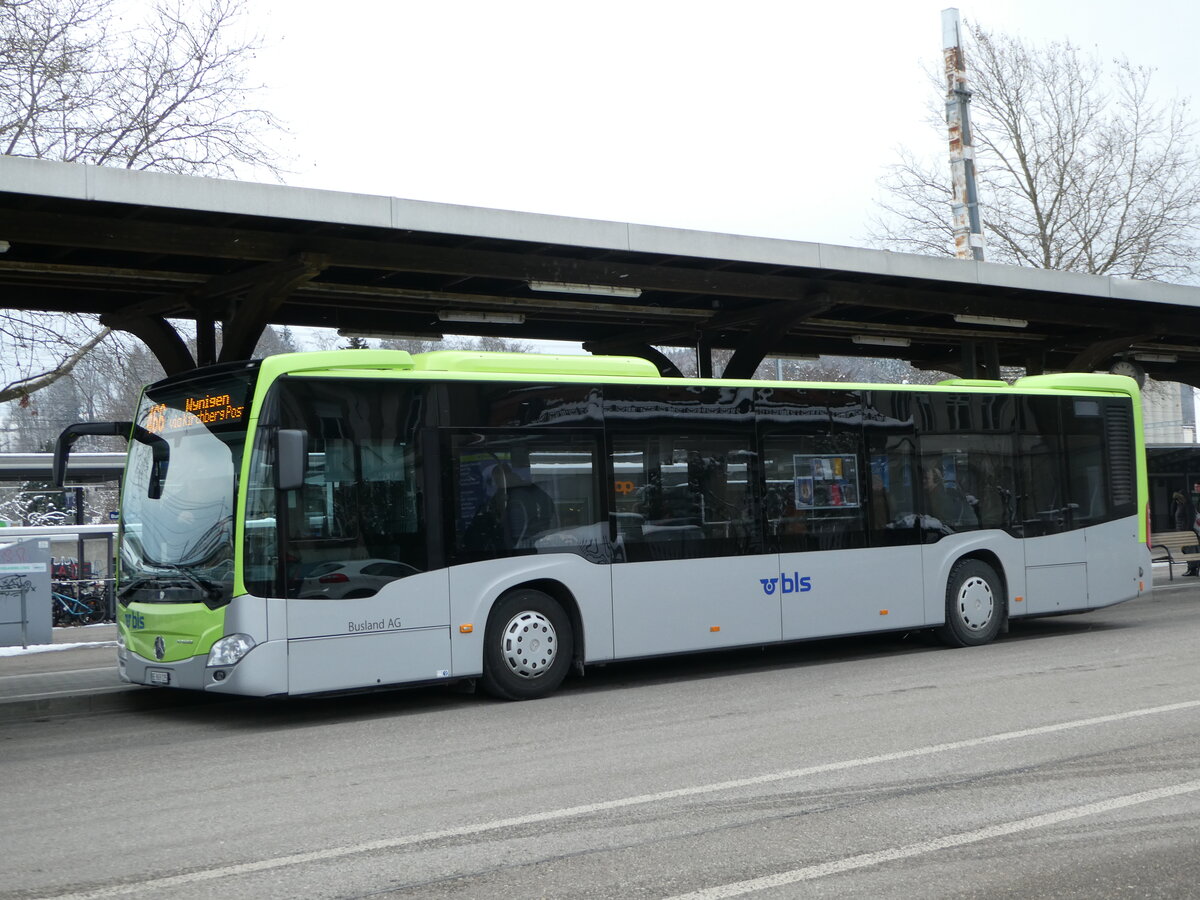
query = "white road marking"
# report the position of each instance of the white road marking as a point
(296, 859)
(833, 867)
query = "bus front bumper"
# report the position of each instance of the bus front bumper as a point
(261, 672)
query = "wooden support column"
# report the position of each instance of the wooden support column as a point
(1099, 354)
(970, 361)
(160, 336)
(270, 286)
(704, 359)
(991, 360)
(206, 341)
(772, 324)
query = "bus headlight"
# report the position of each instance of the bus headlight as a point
(230, 649)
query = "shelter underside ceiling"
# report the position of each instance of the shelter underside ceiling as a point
(137, 266)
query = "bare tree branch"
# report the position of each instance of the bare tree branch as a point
(171, 94)
(23, 387)
(1078, 166)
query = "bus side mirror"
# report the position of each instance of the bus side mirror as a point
(291, 458)
(72, 433)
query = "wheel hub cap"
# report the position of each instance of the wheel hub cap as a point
(529, 643)
(976, 604)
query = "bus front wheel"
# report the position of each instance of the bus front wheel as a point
(974, 604)
(527, 646)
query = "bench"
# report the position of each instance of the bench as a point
(1176, 547)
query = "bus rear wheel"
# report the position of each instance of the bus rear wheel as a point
(974, 604)
(527, 646)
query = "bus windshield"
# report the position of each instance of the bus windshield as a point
(177, 503)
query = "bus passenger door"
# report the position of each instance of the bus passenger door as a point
(1056, 572)
(690, 571)
(825, 495)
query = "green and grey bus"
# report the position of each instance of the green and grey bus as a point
(348, 520)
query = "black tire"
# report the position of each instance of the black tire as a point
(94, 614)
(974, 605)
(527, 646)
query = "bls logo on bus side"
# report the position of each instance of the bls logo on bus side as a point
(788, 584)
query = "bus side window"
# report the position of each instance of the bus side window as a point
(1087, 480)
(818, 490)
(891, 453)
(967, 463)
(682, 496)
(521, 492)
(1042, 505)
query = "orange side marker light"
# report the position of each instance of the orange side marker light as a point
(466, 629)
(1018, 599)
(714, 628)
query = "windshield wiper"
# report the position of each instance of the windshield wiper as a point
(209, 588)
(136, 585)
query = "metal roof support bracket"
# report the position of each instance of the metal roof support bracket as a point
(667, 368)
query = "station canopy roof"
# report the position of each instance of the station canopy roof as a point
(143, 248)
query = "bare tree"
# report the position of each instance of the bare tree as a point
(172, 93)
(860, 369)
(1079, 167)
(457, 342)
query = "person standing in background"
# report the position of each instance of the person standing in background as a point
(1183, 515)
(1179, 512)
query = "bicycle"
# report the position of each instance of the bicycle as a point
(69, 610)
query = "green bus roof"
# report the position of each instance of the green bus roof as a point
(499, 366)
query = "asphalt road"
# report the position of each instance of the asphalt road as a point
(1060, 762)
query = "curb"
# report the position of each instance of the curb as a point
(76, 703)
(95, 701)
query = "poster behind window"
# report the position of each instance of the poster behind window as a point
(826, 481)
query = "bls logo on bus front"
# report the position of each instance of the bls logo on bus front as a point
(135, 621)
(788, 584)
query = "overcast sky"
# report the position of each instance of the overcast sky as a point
(766, 118)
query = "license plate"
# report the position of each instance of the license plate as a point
(159, 676)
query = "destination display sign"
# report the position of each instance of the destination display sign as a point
(185, 412)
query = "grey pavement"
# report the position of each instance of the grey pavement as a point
(76, 675)
(80, 677)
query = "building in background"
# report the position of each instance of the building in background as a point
(1169, 413)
